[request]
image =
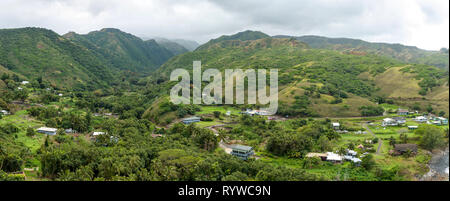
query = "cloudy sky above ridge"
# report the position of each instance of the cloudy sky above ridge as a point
(421, 23)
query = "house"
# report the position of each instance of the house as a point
(20, 88)
(413, 127)
(443, 120)
(437, 123)
(25, 82)
(228, 113)
(251, 112)
(336, 126)
(191, 120)
(360, 146)
(322, 156)
(242, 152)
(421, 119)
(60, 95)
(400, 149)
(351, 153)
(95, 134)
(389, 122)
(47, 131)
(335, 158)
(5, 112)
(70, 131)
(402, 112)
(400, 120)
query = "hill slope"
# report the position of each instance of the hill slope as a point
(173, 47)
(123, 50)
(408, 54)
(36, 52)
(313, 82)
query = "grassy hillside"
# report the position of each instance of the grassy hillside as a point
(315, 82)
(408, 54)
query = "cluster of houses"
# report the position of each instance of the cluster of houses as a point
(395, 121)
(432, 120)
(336, 158)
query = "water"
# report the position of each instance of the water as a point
(439, 164)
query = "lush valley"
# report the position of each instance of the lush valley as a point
(107, 95)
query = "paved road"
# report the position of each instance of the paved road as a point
(380, 142)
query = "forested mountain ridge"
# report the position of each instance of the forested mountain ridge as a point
(172, 46)
(123, 50)
(241, 36)
(408, 54)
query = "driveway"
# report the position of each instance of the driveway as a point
(380, 142)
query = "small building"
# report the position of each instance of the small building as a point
(47, 131)
(191, 120)
(400, 120)
(95, 134)
(60, 95)
(242, 152)
(443, 120)
(351, 153)
(402, 112)
(20, 88)
(437, 123)
(335, 158)
(25, 82)
(70, 131)
(322, 156)
(421, 119)
(336, 125)
(5, 112)
(400, 149)
(228, 113)
(389, 122)
(360, 146)
(413, 127)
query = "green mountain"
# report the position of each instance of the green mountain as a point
(314, 82)
(36, 52)
(173, 47)
(188, 44)
(241, 36)
(408, 54)
(122, 50)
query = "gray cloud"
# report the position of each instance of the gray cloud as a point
(422, 23)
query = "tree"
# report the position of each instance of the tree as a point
(441, 113)
(30, 132)
(431, 136)
(392, 141)
(368, 162)
(429, 109)
(404, 138)
(216, 114)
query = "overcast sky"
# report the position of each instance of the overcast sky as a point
(422, 23)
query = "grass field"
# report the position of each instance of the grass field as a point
(222, 109)
(22, 121)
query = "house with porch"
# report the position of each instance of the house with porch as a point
(242, 152)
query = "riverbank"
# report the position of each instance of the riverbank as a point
(438, 165)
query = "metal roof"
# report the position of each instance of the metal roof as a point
(242, 147)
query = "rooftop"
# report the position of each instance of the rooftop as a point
(47, 129)
(191, 118)
(241, 147)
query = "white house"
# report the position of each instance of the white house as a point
(336, 126)
(389, 122)
(48, 131)
(421, 119)
(98, 133)
(335, 158)
(4, 112)
(25, 82)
